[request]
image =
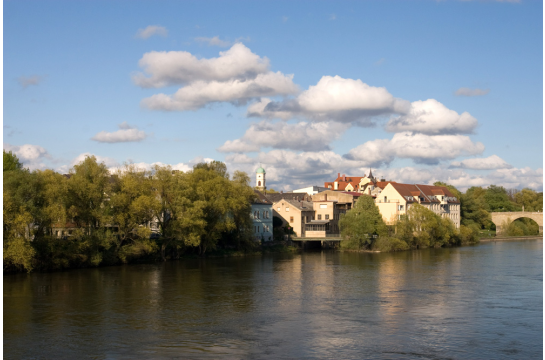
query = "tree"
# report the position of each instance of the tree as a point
(132, 202)
(11, 162)
(17, 222)
(497, 199)
(474, 208)
(359, 225)
(529, 199)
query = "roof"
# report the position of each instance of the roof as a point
(260, 170)
(427, 192)
(300, 205)
(274, 197)
(261, 199)
(343, 182)
(353, 193)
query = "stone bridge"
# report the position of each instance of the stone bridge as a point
(501, 219)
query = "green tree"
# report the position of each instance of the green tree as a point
(497, 199)
(360, 224)
(530, 199)
(132, 202)
(11, 162)
(18, 254)
(475, 209)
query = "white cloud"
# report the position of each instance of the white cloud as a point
(420, 148)
(332, 17)
(490, 163)
(126, 133)
(31, 156)
(108, 161)
(432, 118)
(336, 99)
(202, 93)
(284, 18)
(213, 41)
(463, 91)
(150, 31)
(181, 67)
(257, 109)
(301, 136)
(26, 81)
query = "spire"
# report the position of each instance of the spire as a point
(370, 174)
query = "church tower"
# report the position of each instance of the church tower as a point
(260, 179)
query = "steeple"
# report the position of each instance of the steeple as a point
(260, 179)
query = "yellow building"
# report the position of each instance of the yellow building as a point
(397, 198)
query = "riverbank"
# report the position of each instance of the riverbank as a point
(512, 238)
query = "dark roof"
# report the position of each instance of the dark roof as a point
(274, 197)
(261, 199)
(301, 205)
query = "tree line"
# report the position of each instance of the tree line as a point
(363, 226)
(91, 217)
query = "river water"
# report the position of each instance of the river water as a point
(479, 302)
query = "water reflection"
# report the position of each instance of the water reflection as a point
(470, 302)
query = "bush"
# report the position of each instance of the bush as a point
(390, 244)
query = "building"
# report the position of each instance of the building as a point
(397, 198)
(262, 215)
(367, 184)
(311, 190)
(260, 179)
(294, 213)
(275, 197)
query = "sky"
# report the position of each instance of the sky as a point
(417, 91)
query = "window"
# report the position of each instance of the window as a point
(258, 229)
(385, 198)
(259, 183)
(400, 208)
(323, 206)
(287, 209)
(258, 214)
(291, 219)
(278, 209)
(319, 216)
(327, 216)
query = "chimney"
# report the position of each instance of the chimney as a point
(344, 177)
(338, 175)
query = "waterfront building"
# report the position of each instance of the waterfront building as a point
(294, 213)
(397, 198)
(262, 215)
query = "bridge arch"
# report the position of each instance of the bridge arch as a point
(500, 219)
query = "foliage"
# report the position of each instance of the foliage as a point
(11, 162)
(362, 224)
(475, 209)
(523, 227)
(530, 199)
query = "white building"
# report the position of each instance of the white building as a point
(311, 190)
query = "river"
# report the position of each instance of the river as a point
(476, 302)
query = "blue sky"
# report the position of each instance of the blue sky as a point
(418, 90)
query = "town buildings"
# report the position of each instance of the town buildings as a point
(262, 217)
